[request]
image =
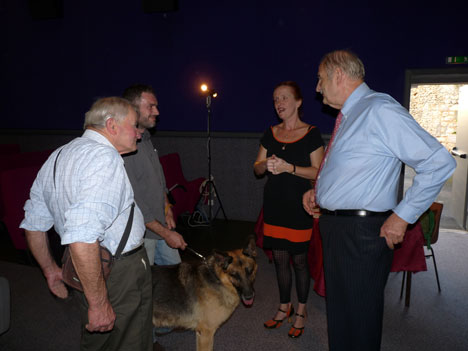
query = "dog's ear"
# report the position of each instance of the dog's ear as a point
(250, 249)
(222, 259)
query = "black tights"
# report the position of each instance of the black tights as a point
(283, 274)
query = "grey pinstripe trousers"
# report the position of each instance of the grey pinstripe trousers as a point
(357, 263)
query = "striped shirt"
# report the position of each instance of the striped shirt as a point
(91, 197)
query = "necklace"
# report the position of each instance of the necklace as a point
(287, 134)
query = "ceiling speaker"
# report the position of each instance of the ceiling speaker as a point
(151, 6)
(45, 9)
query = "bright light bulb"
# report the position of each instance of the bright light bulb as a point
(204, 87)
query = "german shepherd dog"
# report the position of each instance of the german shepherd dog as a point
(201, 296)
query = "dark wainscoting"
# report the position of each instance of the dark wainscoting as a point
(232, 155)
(232, 158)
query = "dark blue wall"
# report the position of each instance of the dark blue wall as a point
(52, 70)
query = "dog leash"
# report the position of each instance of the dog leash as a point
(196, 253)
(210, 269)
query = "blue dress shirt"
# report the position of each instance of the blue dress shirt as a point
(362, 169)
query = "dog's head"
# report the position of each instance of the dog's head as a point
(239, 268)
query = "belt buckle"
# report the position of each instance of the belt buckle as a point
(361, 213)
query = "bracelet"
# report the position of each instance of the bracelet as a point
(294, 170)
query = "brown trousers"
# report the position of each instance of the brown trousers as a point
(130, 292)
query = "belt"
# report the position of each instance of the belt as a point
(358, 213)
(131, 252)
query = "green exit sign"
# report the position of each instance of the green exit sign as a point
(456, 59)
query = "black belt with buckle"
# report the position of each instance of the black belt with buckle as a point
(131, 252)
(358, 213)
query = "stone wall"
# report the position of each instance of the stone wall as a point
(435, 108)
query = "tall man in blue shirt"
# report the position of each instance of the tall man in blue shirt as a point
(357, 190)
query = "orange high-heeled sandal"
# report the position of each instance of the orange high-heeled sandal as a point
(276, 323)
(296, 332)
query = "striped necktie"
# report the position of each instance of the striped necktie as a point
(327, 151)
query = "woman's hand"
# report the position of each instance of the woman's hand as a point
(260, 163)
(277, 165)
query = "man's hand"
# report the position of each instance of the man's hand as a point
(175, 240)
(38, 242)
(55, 283)
(171, 224)
(308, 201)
(393, 230)
(101, 318)
(87, 261)
(172, 238)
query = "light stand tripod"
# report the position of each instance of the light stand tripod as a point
(209, 188)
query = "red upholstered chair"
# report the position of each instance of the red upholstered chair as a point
(185, 193)
(259, 234)
(17, 173)
(21, 160)
(24, 159)
(8, 149)
(15, 185)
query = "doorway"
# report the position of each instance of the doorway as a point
(438, 100)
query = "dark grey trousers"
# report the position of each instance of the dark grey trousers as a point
(357, 263)
(130, 292)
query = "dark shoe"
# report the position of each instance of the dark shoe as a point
(157, 347)
(163, 330)
(296, 332)
(276, 323)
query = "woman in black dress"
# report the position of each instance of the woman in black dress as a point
(290, 154)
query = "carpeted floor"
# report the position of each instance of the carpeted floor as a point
(433, 321)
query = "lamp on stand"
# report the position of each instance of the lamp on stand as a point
(208, 191)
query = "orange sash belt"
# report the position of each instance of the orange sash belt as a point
(293, 235)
